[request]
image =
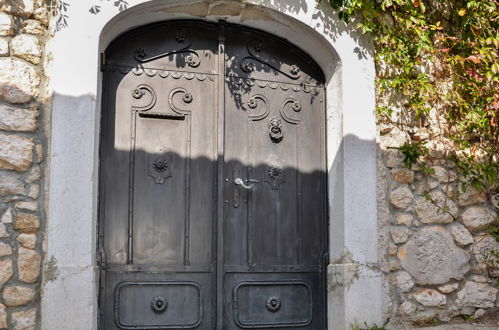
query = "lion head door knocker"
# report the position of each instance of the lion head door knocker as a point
(159, 167)
(275, 130)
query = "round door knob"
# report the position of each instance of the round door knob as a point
(159, 304)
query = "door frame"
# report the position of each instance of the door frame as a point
(70, 281)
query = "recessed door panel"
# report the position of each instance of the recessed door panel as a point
(212, 181)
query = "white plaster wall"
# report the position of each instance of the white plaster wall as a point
(355, 292)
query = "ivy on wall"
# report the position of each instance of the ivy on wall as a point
(437, 80)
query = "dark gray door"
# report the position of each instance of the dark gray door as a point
(212, 181)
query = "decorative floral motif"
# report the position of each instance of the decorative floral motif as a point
(294, 70)
(159, 168)
(274, 172)
(247, 66)
(252, 103)
(180, 37)
(140, 53)
(258, 46)
(273, 304)
(160, 165)
(192, 61)
(138, 93)
(296, 106)
(187, 98)
(159, 304)
(275, 130)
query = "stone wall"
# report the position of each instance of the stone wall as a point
(23, 112)
(438, 254)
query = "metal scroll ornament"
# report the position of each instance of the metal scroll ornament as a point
(159, 168)
(273, 304)
(275, 130)
(159, 304)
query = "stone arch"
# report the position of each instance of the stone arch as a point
(355, 284)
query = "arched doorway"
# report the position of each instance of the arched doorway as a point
(213, 209)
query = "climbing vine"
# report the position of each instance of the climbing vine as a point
(437, 80)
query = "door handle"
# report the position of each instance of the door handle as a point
(240, 182)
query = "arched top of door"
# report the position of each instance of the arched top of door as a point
(191, 46)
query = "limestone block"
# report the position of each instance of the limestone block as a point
(18, 295)
(439, 209)
(24, 320)
(403, 175)
(443, 174)
(487, 259)
(479, 313)
(448, 288)
(34, 175)
(461, 235)
(7, 216)
(34, 191)
(6, 25)
(32, 26)
(407, 308)
(400, 234)
(27, 47)
(401, 197)
(431, 257)
(27, 240)
(4, 47)
(476, 295)
(16, 152)
(403, 281)
(472, 196)
(393, 158)
(393, 139)
(27, 206)
(3, 317)
(404, 219)
(430, 298)
(28, 264)
(5, 249)
(3, 231)
(39, 152)
(42, 15)
(6, 271)
(11, 184)
(18, 81)
(27, 223)
(477, 218)
(18, 7)
(479, 279)
(20, 120)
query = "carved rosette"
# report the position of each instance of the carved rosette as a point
(159, 304)
(274, 176)
(273, 304)
(159, 168)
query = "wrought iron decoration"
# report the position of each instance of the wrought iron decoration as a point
(159, 304)
(273, 304)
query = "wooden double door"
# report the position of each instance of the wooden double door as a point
(212, 207)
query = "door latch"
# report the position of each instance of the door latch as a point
(240, 182)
